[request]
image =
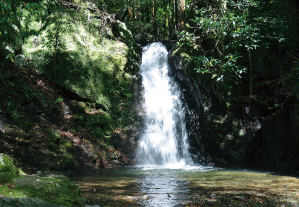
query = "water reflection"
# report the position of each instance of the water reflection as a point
(148, 186)
(164, 187)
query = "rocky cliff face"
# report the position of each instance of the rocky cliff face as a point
(242, 134)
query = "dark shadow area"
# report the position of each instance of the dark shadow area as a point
(237, 133)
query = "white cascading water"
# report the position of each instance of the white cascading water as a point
(164, 140)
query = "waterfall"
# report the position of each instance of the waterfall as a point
(164, 140)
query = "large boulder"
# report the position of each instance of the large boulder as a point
(93, 66)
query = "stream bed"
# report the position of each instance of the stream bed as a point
(191, 186)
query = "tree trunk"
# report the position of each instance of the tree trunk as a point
(220, 7)
(56, 43)
(130, 10)
(137, 12)
(154, 19)
(173, 15)
(182, 15)
(176, 13)
(167, 21)
(56, 39)
(148, 12)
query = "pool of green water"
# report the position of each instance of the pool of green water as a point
(196, 186)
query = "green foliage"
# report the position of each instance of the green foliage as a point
(7, 177)
(10, 23)
(146, 17)
(8, 165)
(18, 89)
(16, 23)
(224, 34)
(99, 124)
(76, 50)
(53, 136)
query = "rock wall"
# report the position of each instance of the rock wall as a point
(240, 135)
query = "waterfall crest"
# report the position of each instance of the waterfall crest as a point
(164, 140)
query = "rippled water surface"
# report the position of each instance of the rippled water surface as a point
(147, 186)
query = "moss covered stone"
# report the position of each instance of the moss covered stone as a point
(59, 191)
(25, 202)
(43, 190)
(87, 62)
(124, 33)
(9, 165)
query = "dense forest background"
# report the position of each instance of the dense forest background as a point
(226, 39)
(239, 51)
(222, 38)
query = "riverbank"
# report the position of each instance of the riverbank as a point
(40, 189)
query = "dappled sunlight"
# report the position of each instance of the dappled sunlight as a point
(108, 190)
(243, 186)
(201, 186)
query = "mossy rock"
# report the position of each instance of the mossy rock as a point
(69, 161)
(88, 63)
(9, 165)
(25, 202)
(61, 192)
(68, 147)
(124, 33)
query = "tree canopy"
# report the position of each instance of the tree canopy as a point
(223, 37)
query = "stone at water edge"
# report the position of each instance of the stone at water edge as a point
(9, 165)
